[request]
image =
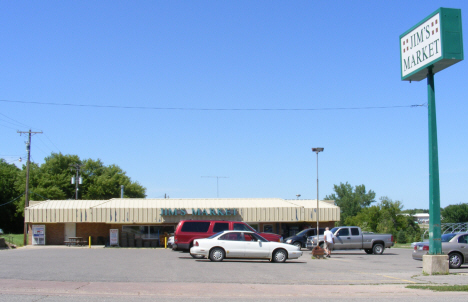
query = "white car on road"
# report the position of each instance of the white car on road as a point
(243, 244)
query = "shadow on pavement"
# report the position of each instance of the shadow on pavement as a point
(250, 261)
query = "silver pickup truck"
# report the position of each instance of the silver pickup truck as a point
(351, 237)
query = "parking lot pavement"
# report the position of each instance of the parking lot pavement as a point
(79, 272)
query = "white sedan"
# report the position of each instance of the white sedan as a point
(243, 244)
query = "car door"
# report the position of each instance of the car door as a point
(254, 248)
(463, 246)
(342, 239)
(233, 244)
(309, 233)
(356, 239)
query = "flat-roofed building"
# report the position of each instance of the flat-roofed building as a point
(152, 218)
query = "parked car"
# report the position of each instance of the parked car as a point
(188, 230)
(300, 239)
(455, 245)
(351, 237)
(243, 244)
(414, 243)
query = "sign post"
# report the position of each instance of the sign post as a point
(430, 46)
(435, 244)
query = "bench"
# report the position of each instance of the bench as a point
(75, 242)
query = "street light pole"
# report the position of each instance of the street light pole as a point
(317, 150)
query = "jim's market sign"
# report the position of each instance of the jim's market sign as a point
(200, 212)
(435, 41)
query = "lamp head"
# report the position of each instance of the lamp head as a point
(317, 150)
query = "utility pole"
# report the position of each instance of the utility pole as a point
(217, 182)
(78, 180)
(26, 193)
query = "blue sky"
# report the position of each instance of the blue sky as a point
(232, 55)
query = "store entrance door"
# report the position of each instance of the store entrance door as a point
(70, 230)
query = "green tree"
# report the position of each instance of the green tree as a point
(351, 201)
(104, 182)
(385, 217)
(401, 237)
(52, 180)
(10, 220)
(455, 213)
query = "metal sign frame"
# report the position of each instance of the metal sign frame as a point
(436, 41)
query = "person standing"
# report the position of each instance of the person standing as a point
(329, 240)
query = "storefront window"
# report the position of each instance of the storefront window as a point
(148, 231)
(255, 226)
(268, 228)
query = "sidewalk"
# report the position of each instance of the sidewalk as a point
(60, 246)
(192, 290)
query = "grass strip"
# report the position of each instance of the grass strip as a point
(16, 239)
(441, 288)
(403, 245)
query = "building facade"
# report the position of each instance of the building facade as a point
(149, 219)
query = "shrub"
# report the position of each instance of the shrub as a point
(401, 237)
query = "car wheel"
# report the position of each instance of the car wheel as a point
(280, 256)
(196, 256)
(322, 245)
(378, 249)
(455, 260)
(217, 254)
(368, 251)
(298, 244)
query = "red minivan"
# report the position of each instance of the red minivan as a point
(188, 230)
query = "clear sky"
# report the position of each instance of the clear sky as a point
(183, 55)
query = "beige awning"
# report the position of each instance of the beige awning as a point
(155, 211)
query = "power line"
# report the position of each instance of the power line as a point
(7, 126)
(215, 109)
(52, 142)
(15, 122)
(45, 198)
(40, 149)
(11, 200)
(19, 159)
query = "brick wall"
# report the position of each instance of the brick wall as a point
(55, 233)
(95, 230)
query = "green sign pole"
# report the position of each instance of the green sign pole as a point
(435, 244)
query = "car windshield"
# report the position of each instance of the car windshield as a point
(447, 237)
(302, 233)
(215, 235)
(334, 230)
(251, 228)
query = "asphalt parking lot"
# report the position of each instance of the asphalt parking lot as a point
(29, 271)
